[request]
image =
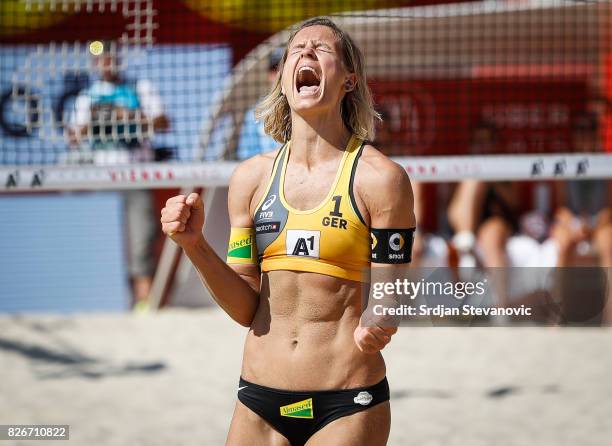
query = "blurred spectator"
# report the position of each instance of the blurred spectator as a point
(583, 221)
(582, 231)
(484, 212)
(484, 215)
(253, 139)
(114, 119)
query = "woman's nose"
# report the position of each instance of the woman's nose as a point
(308, 51)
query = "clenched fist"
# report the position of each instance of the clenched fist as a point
(183, 219)
(373, 339)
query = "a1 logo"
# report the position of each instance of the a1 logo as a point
(303, 243)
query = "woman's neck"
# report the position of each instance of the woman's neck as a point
(317, 139)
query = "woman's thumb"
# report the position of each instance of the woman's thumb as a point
(194, 200)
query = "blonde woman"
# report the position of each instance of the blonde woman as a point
(309, 221)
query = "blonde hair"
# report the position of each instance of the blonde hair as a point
(357, 106)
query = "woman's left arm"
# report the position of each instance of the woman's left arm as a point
(385, 193)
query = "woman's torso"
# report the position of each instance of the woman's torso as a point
(314, 250)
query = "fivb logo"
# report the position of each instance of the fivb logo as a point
(303, 243)
(265, 214)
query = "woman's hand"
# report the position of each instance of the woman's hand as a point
(373, 339)
(183, 219)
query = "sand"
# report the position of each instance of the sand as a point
(171, 378)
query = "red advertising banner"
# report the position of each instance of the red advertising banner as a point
(607, 121)
(437, 117)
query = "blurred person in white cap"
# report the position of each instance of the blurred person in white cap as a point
(113, 122)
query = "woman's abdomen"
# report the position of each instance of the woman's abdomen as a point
(302, 335)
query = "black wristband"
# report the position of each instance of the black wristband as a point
(392, 245)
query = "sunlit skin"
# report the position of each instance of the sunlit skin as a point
(304, 328)
(315, 116)
(318, 48)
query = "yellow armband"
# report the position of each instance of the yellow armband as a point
(241, 248)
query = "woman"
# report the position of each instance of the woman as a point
(312, 374)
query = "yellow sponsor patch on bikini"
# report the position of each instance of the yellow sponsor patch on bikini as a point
(301, 409)
(241, 247)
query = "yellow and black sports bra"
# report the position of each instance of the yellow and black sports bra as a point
(330, 239)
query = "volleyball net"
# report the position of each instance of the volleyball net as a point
(147, 94)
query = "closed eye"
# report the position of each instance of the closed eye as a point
(318, 46)
(297, 48)
(323, 47)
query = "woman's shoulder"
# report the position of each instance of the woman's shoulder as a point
(250, 173)
(377, 170)
(384, 188)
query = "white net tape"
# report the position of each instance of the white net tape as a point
(214, 174)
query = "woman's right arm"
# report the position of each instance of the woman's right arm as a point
(235, 288)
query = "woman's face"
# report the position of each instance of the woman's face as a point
(314, 77)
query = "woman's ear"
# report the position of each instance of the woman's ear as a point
(350, 82)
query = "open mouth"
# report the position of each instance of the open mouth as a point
(307, 81)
